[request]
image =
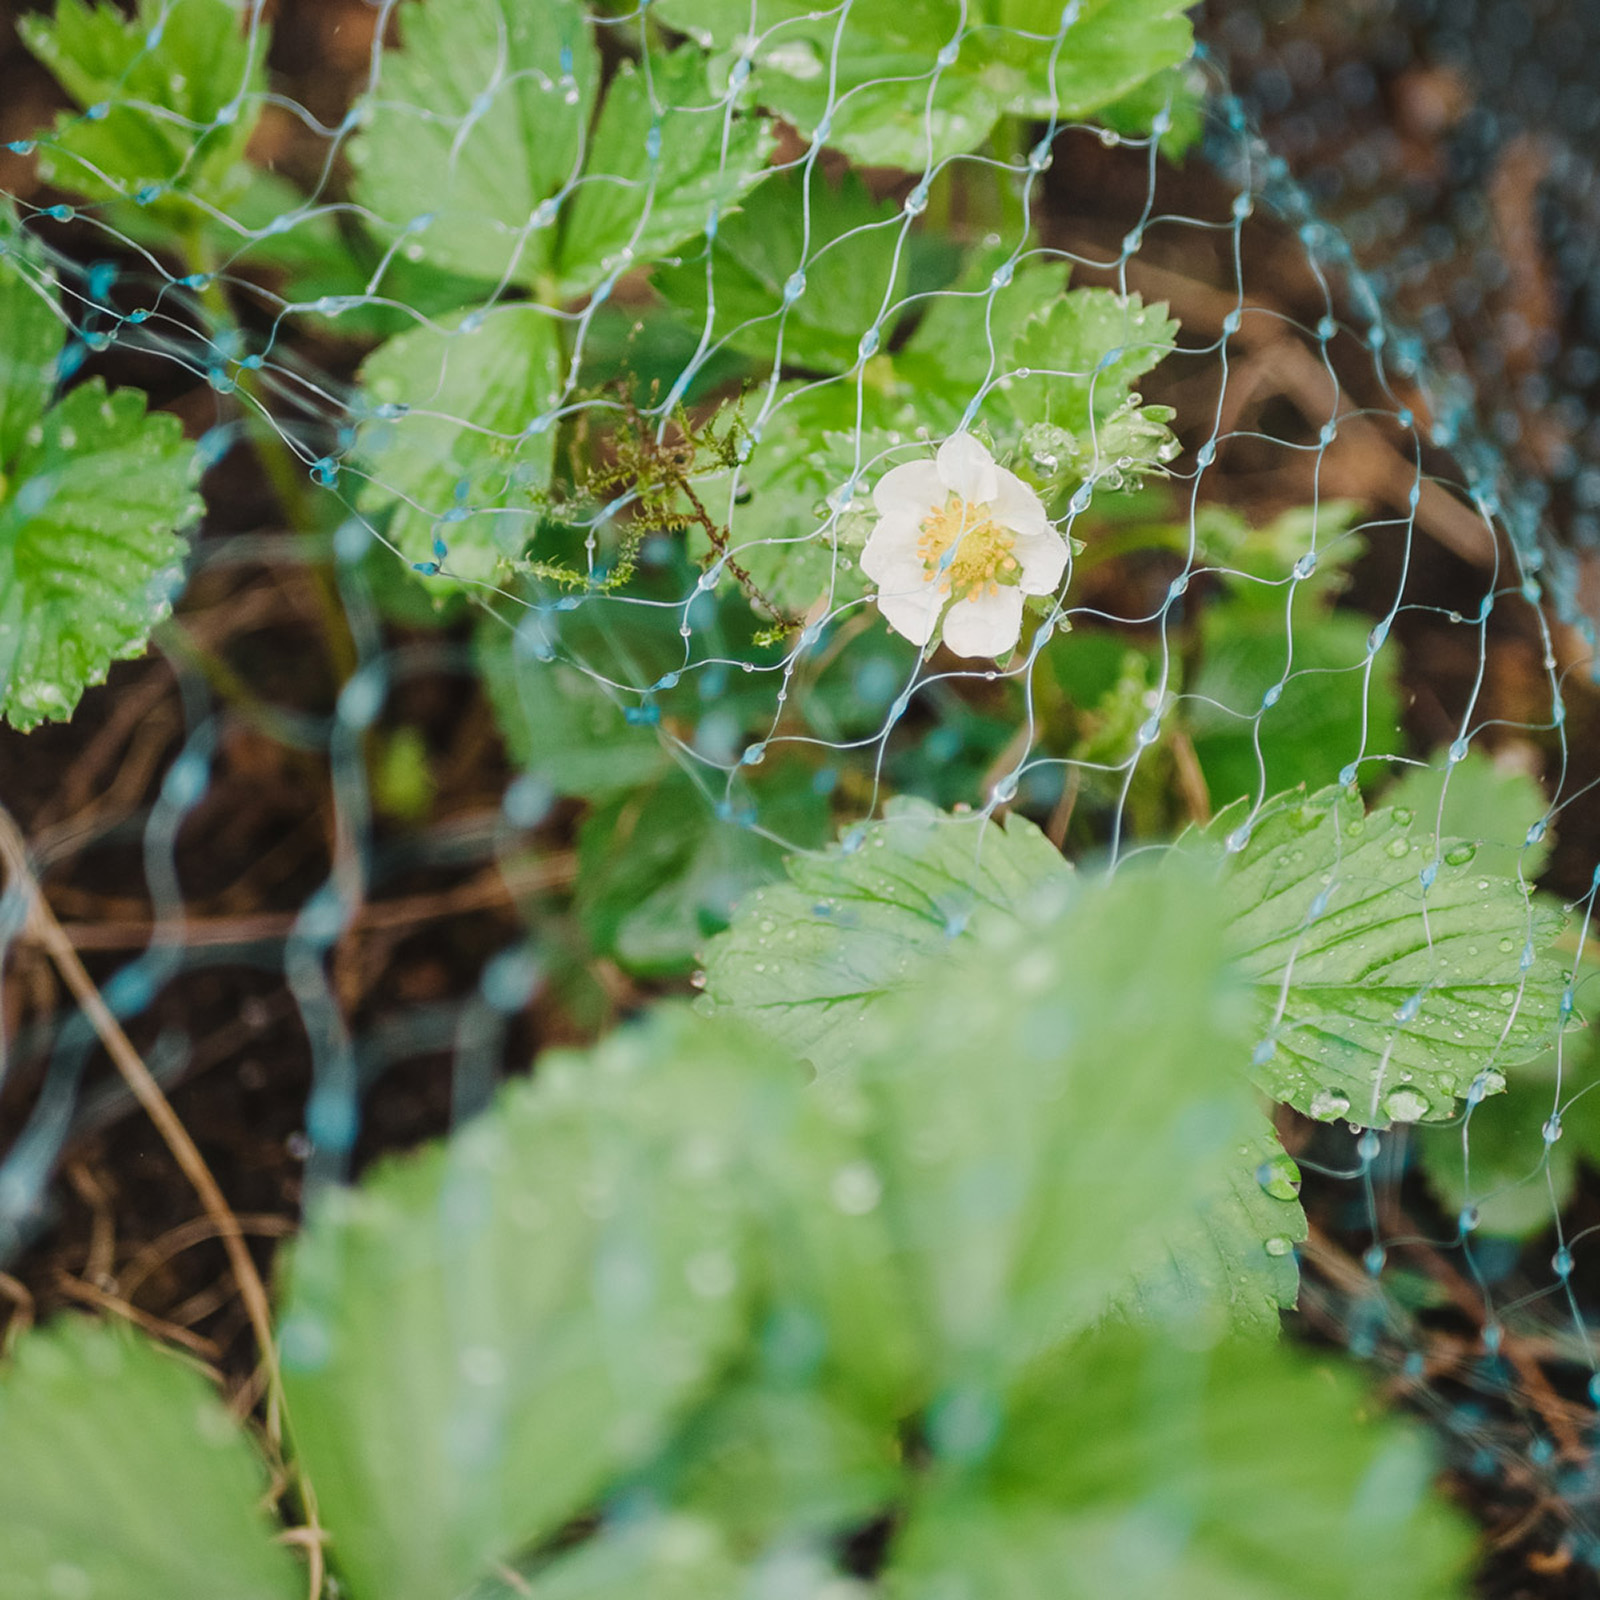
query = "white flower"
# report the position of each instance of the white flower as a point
(962, 539)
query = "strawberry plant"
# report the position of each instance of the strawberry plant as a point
(708, 387)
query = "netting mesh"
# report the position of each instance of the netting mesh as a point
(589, 407)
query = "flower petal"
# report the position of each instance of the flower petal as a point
(985, 624)
(1017, 507)
(892, 543)
(900, 574)
(1043, 558)
(913, 614)
(912, 489)
(967, 469)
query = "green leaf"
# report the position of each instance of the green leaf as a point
(448, 445)
(966, 329)
(632, 205)
(665, 1556)
(673, 1557)
(127, 1478)
(475, 121)
(869, 71)
(89, 545)
(1028, 1173)
(1328, 707)
(808, 958)
(879, 961)
(814, 962)
(1233, 1263)
(1259, 559)
(660, 870)
(1085, 352)
(361, 284)
(1111, 48)
(1115, 456)
(554, 683)
(1132, 1467)
(801, 272)
(35, 332)
(1500, 1162)
(169, 97)
(1393, 973)
(650, 354)
(478, 1340)
(561, 725)
(874, 72)
(775, 1465)
(1503, 809)
(965, 333)
(1283, 697)
(791, 535)
(1178, 92)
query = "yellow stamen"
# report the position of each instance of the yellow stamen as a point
(968, 551)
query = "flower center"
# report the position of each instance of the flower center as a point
(965, 548)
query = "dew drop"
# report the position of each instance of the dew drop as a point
(1485, 1084)
(856, 1189)
(1279, 1177)
(1327, 1104)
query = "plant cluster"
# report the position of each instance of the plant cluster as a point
(939, 1248)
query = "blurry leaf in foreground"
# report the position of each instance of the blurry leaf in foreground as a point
(125, 1478)
(883, 928)
(773, 1465)
(481, 1336)
(665, 1556)
(1128, 1467)
(1028, 1170)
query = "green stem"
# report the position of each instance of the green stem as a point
(1007, 143)
(284, 469)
